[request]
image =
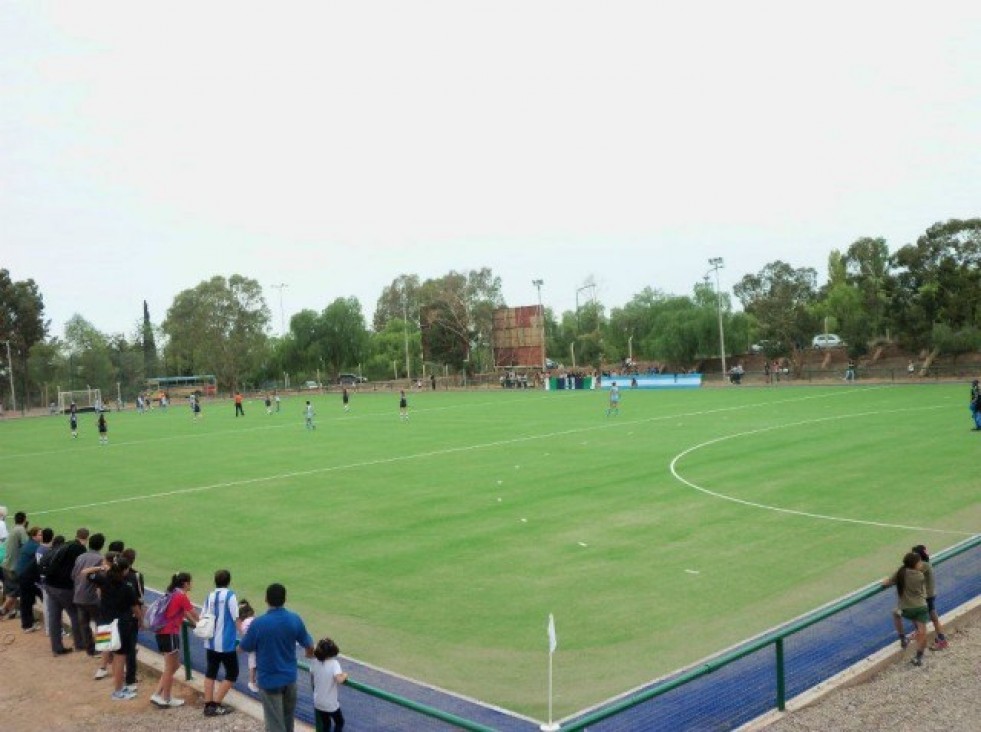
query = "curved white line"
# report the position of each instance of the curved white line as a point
(805, 514)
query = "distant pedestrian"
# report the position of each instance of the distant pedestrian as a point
(326, 675)
(910, 585)
(614, 407)
(850, 370)
(103, 430)
(910, 368)
(277, 400)
(274, 637)
(403, 406)
(976, 404)
(931, 597)
(308, 416)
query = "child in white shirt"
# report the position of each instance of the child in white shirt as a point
(326, 676)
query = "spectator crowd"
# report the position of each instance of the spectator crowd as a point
(92, 593)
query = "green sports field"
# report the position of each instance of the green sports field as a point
(437, 547)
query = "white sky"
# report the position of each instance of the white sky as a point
(145, 147)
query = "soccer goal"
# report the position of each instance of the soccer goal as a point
(86, 400)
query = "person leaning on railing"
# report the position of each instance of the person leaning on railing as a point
(910, 584)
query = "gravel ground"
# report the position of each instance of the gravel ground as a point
(41, 692)
(944, 695)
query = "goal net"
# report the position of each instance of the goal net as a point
(86, 400)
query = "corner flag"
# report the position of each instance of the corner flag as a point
(553, 642)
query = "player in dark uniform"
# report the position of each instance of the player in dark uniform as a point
(103, 430)
(345, 398)
(976, 404)
(73, 420)
(403, 406)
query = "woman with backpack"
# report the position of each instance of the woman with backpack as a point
(178, 610)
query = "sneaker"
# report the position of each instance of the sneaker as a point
(101, 673)
(939, 644)
(33, 629)
(132, 688)
(62, 651)
(253, 687)
(209, 710)
(123, 695)
(917, 661)
(159, 701)
(175, 703)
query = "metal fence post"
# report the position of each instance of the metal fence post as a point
(781, 680)
(186, 646)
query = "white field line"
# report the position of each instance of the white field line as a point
(417, 456)
(806, 514)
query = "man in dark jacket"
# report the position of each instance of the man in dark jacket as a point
(57, 566)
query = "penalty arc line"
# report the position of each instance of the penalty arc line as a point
(396, 459)
(790, 511)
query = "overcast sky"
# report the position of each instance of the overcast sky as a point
(145, 147)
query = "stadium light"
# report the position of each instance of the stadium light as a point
(541, 315)
(10, 373)
(282, 318)
(717, 264)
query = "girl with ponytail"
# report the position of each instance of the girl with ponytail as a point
(910, 585)
(169, 638)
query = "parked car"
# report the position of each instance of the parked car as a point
(826, 340)
(550, 364)
(311, 385)
(350, 379)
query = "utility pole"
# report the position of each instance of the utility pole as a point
(282, 318)
(717, 264)
(10, 373)
(541, 316)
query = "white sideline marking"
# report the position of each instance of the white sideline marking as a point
(806, 514)
(433, 453)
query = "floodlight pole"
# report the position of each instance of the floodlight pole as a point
(10, 373)
(405, 336)
(717, 264)
(541, 315)
(282, 318)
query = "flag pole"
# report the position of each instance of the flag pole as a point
(551, 726)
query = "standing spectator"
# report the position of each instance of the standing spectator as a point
(134, 579)
(220, 648)
(103, 429)
(86, 597)
(118, 603)
(850, 370)
(277, 400)
(976, 404)
(47, 537)
(238, 404)
(273, 637)
(246, 615)
(911, 587)
(28, 576)
(169, 638)
(11, 587)
(931, 597)
(57, 566)
(432, 381)
(910, 368)
(766, 371)
(326, 675)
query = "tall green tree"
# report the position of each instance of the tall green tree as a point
(343, 332)
(218, 327)
(149, 343)
(938, 280)
(22, 323)
(781, 299)
(399, 300)
(868, 270)
(88, 349)
(457, 317)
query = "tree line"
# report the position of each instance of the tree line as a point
(923, 295)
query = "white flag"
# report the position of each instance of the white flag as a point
(553, 642)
